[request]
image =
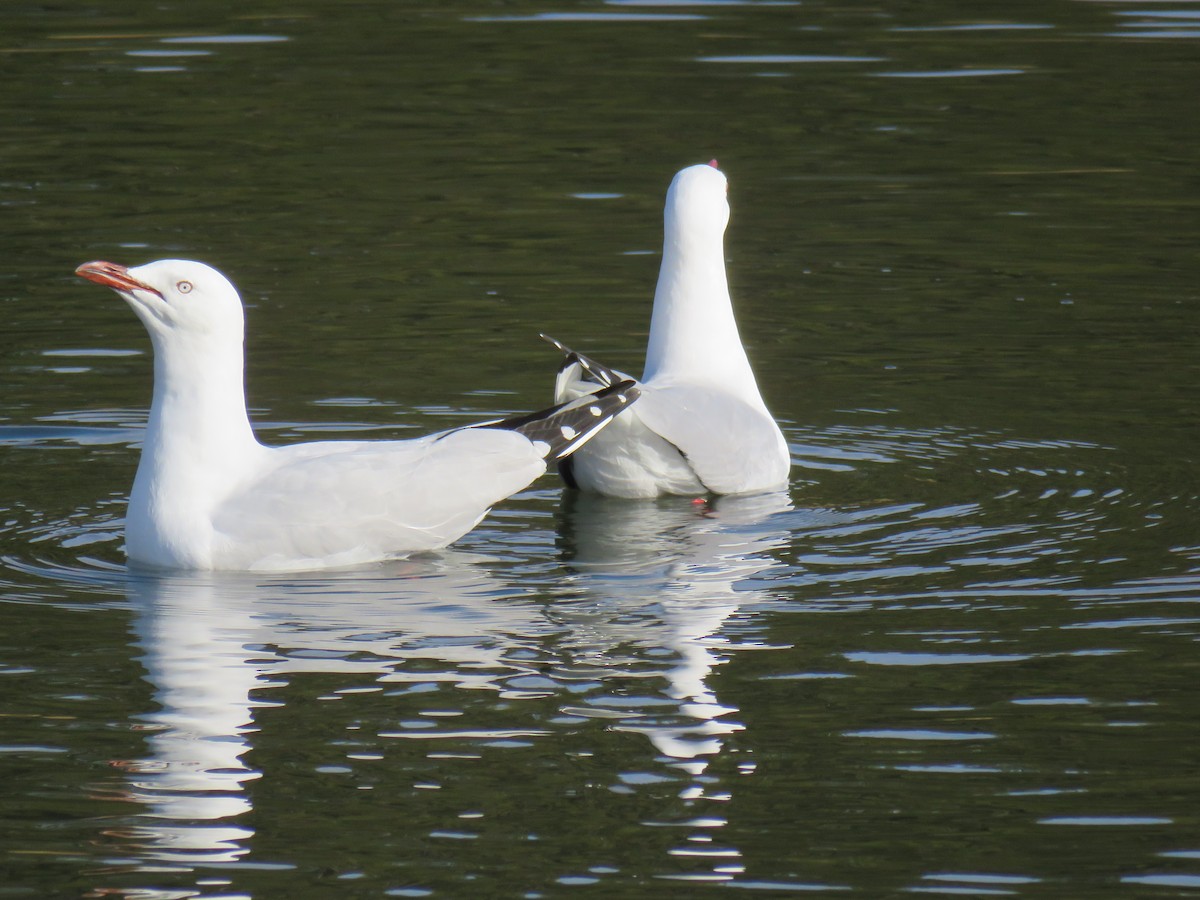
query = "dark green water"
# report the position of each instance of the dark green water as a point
(960, 658)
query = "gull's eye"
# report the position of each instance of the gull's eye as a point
(184, 287)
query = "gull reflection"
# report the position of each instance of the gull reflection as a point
(668, 575)
(648, 590)
(194, 650)
(212, 644)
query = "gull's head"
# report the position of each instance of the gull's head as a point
(174, 296)
(698, 201)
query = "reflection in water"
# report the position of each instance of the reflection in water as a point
(210, 642)
(196, 650)
(654, 585)
(662, 575)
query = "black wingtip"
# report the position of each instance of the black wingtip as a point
(568, 426)
(596, 371)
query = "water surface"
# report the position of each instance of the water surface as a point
(958, 656)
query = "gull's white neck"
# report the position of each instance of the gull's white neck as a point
(693, 334)
(198, 446)
(198, 414)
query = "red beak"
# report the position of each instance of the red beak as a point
(114, 276)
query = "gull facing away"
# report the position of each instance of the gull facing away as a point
(209, 496)
(701, 425)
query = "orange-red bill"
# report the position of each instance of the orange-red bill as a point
(113, 275)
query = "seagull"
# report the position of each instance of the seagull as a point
(700, 426)
(208, 496)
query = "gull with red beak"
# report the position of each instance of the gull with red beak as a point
(209, 496)
(701, 426)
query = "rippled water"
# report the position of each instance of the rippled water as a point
(960, 654)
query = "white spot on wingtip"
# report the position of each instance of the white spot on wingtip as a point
(567, 431)
(595, 411)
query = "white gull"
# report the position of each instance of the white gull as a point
(209, 496)
(701, 425)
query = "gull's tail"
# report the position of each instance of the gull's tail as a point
(566, 427)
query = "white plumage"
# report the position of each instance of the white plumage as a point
(208, 495)
(701, 425)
